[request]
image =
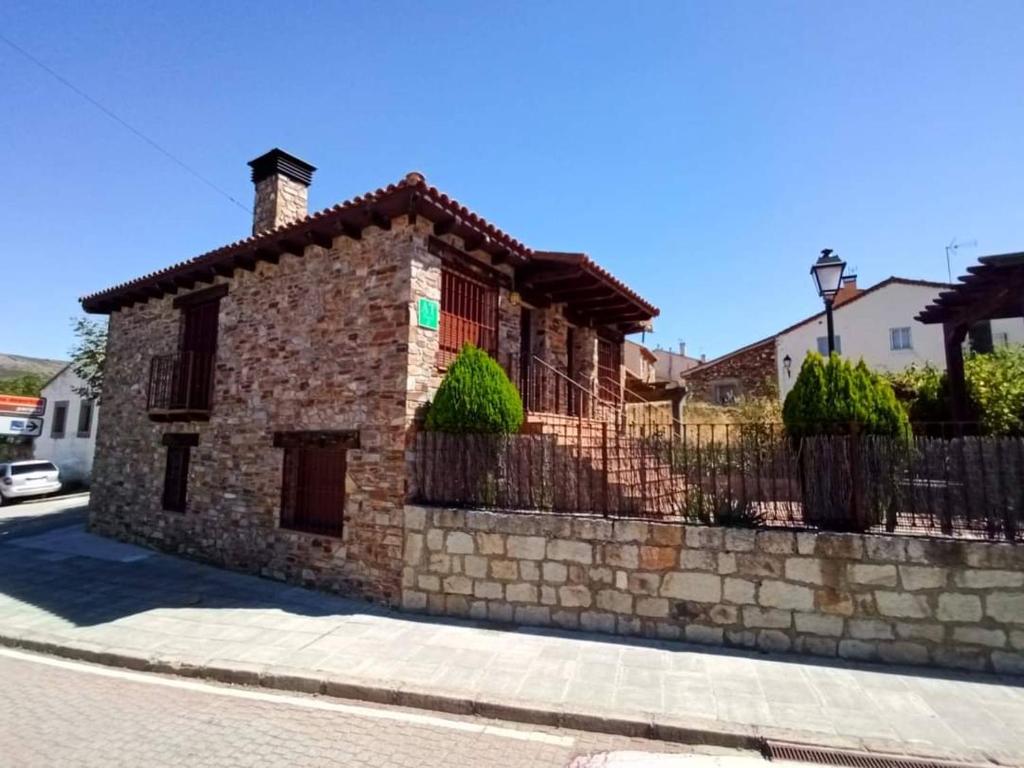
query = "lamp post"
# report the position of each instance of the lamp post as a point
(827, 272)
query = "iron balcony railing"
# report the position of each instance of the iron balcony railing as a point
(181, 382)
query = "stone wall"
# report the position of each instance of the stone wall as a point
(316, 342)
(877, 598)
(752, 369)
(279, 200)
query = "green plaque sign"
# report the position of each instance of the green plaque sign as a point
(429, 313)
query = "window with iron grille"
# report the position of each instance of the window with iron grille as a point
(179, 453)
(313, 480)
(469, 312)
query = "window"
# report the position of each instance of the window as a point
(25, 467)
(469, 312)
(84, 418)
(726, 393)
(823, 345)
(899, 338)
(313, 480)
(60, 419)
(179, 452)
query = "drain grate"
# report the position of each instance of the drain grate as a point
(806, 753)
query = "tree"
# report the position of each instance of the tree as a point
(830, 396)
(475, 396)
(88, 355)
(26, 385)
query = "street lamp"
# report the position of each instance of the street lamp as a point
(787, 363)
(827, 272)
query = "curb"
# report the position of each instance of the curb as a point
(689, 730)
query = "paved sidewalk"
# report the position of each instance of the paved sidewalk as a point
(72, 593)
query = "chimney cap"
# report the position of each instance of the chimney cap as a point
(278, 161)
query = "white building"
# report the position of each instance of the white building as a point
(69, 428)
(669, 365)
(877, 325)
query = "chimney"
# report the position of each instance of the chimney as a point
(682, 348)
(847, 290)
(282, 187)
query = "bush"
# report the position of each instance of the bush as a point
(995, 388)
(923, 391)
(828, 397)
(475, 396)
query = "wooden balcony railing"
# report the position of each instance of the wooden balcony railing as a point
(180, 386)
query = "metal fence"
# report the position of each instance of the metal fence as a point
(941, 481)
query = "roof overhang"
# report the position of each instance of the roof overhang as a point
(992, 289)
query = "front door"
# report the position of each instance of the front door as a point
(198, 347)
(609, 365)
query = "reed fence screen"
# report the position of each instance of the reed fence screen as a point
(939, 481)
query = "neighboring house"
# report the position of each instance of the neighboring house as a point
(260, 399)
(875, 324)
(69, 428)
(640, 363)
(669, 365)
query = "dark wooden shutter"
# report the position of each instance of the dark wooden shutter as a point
(469, 312)
(176, 478)
(609, 363)
(313, 488)
(198, 348)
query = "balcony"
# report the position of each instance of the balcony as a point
(180, 387)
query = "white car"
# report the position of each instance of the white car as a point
(20, 479)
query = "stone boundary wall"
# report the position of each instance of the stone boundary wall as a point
(896, 599)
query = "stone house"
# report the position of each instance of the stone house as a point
(260, 399)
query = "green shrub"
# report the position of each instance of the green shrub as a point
(829, 396)
(475, 396)
(995, 388)
(923, 391)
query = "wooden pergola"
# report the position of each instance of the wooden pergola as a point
(992, 289)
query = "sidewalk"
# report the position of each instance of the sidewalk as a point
(71, 593)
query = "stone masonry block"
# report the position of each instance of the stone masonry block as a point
(860, 650)
(698, 587)
(776, 542)
(554, 573)
(643, 583)
(521, 593)
(622, 555)
(806, 543)
(918, 577)
(724, 614)
(726, 563)
(413, 600)
(933, 633)
(757, 564)
(657, 558)
(993, 638)
(413, 548)
(597, 622)
(489, 590)
(614, 601)
(592, 530)
(490, 543)
(755, 618)
(1007, 607)
(782, 594)
(507, 570)
(698, 633)
(816, 624)
(697, 560)
(652, 607)
(435, 539)
(529, 570)
(839, 546)
(739, 591)
(574, 596)
(458, 585)
(415, 518)
(872, 575)
(630, 530)
(475, 566)
(888, 549)
(533, 614)
(1008, 663)
(665, 535)
(570, 551)
(975, 579)
(526, 547)
(869, 629)
(429, 583)
(740, 540)
(901, 605)
(903, 653)
(958, 607)
(704, 537)
(806, 570)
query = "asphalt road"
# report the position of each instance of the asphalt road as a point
(59, 712)
(30, 517)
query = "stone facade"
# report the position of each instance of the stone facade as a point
(749, 372)
(326, 340)
(279, 200)
(891, 599)
(317, 342)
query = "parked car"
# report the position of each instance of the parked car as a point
(20, 479)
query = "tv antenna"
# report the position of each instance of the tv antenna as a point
(952, 248)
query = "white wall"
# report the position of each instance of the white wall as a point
(864, 324)
(71, 453)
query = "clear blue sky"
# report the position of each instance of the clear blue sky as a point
(703, 152)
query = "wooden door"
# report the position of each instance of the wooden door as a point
(609, 366)
(198, 348)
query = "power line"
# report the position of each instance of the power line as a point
(113, 116)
